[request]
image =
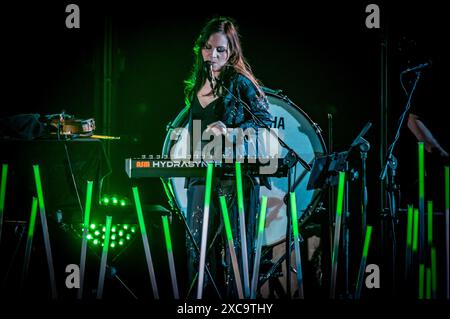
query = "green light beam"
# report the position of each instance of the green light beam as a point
(147, 251)
(229, 235)
(259, 242)
(101, 277)
(173, 274)
(298, 261)
(337, 232)
(362, 265)
(242, 228)
(2, 195)
(87, 214)
(201, 271)
(29, 244)
(48, 249)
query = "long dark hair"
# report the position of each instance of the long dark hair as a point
(236, 62)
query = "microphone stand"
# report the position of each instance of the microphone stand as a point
(397, 135)
(290, 161)
(364, 147)
(391, 162)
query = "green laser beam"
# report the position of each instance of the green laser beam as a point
(167, 233)
(367, 241)
(409, 226)
(226, 218)
(421, 171)
(262, 215)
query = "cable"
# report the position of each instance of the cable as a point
(402, 117)
(73, 179)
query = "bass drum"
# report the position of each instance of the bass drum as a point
(298, 131)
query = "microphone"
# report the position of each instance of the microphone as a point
(418, 67)
(359, 139)
(210, 74)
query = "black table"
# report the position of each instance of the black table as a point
(88, 162)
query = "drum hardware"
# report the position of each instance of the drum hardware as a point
(285, 98)
(318, 129)
(310, 211)
(274, 92)
(275, 266)
(274, 272)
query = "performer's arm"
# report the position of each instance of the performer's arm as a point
(423, 134)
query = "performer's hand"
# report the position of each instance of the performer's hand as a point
(430, 147)
(218, 128)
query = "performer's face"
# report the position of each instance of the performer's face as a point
(216, 51)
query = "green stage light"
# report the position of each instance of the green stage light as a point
(113, 244)
(120, 234)
(114, 200)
